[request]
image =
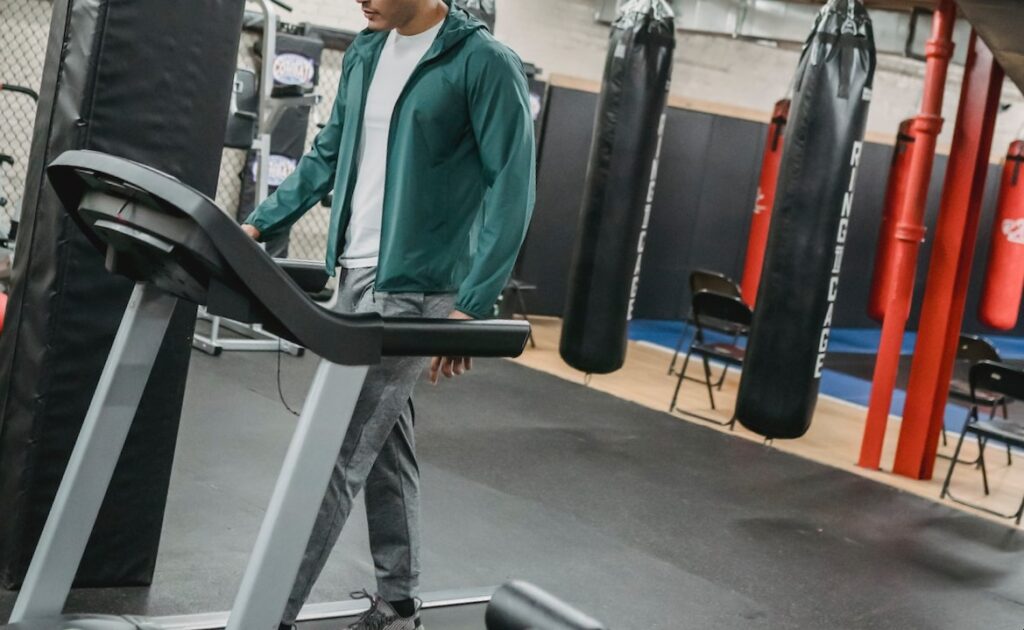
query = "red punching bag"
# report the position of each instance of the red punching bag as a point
(764, 203)
(1004, 282)
(895, 191)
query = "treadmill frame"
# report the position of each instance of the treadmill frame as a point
(287, 525)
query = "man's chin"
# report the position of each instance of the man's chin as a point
(374, 24)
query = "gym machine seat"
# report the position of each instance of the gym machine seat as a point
(175, 243)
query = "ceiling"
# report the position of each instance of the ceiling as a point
(1001, 24)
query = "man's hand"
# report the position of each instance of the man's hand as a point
(251, 230)
(450, 366)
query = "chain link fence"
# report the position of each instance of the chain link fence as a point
(24, 29)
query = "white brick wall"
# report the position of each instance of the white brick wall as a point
(562, 37)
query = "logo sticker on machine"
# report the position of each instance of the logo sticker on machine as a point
(279, 167)
(293, 69)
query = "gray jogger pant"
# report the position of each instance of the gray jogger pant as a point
(378, 455)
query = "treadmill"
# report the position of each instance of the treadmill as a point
(176, 244)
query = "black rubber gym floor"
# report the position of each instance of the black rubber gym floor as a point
(643, 520)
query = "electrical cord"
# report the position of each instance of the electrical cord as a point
(280, 388)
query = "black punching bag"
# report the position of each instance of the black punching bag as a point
(620, 187)
(148, 80)
(807, 239)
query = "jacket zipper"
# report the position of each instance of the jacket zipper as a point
(429, 59)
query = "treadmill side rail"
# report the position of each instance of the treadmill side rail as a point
(95, 455)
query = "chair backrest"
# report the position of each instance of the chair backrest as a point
(721, 308)
(974, 349)
(997, 378)
(704, 280)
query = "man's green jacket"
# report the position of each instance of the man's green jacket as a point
(460, 180)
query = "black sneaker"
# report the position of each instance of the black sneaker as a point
(381, 616)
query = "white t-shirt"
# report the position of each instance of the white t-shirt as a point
(398, 60)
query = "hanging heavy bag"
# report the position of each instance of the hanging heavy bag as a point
(999, 306)
(762, 219)
(619, 190)
(807, 239)
(885, 251)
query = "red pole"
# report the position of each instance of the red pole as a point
(909, 233)
(765, 202)
(952, 255)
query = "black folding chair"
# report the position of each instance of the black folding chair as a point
(704, 280)
(1001, 380)
(972, 350)
(726, 311)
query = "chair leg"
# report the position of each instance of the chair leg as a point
(1009, 450)
(1020, 511)
(679, 383)
(953, 462)
(945, 442)
(707, 380)
(721, 379)
(679, 348)
(984, 470)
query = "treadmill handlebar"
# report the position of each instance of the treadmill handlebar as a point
(453, 337)
(346, 339)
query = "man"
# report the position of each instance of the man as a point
(430, 155)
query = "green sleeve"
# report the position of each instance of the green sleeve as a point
(499, 103)
(311, 181)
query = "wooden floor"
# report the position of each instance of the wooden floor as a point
(834, 437)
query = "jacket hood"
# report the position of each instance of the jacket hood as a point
(458, 25)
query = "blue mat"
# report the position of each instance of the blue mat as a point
(843, 340)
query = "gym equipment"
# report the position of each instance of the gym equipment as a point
(14, 214)
(282, 95)
(6, 240)
(8, 87)
(163, 103)
(895, 191)
(800, 282)
(999, 306)
(629, 125)
(177, 245)
(764, 203)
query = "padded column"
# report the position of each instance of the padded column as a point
(148, 80)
